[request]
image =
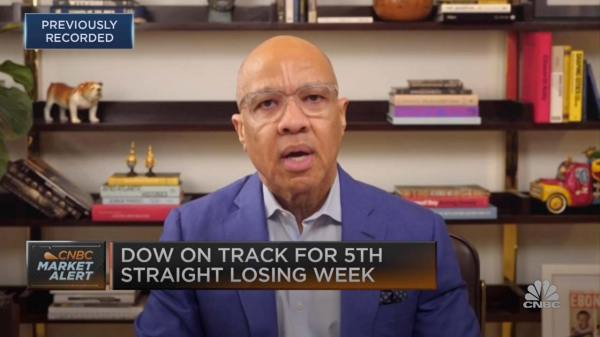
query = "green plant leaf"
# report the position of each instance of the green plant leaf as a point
(15, 113)
(19, 73)
(3, 158)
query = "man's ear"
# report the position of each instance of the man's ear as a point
(343, 108)
(238, 124)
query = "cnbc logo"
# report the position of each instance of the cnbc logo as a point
(541, 295)
(66, 265)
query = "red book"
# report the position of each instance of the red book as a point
(451, 201)
(131, 213)
(537, 68)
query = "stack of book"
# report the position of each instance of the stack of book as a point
(558, 81)
(38, 184)
(475, 13)
(138, 198)
(436, 102)
(463, 202)
(98, 7)
(95, 305)
(301, 11)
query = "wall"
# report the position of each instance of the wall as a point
(202, 66)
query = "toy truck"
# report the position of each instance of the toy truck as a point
(576, 184)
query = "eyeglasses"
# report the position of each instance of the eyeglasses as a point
(314, 100)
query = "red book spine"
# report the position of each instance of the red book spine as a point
(452, 202)
(131, 213)
(537, 67)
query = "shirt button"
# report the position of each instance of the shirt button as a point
(299, 306)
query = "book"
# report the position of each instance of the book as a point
(94, 296)
(141, 201)
(484, 213)
(537, 66)
(312, 11)
(410, 191)
(433, 111)
(140, 191)
(435, 84)
(90, 10)
(434, 120)
(160, 179)
(41, 178)
(474, 8)
(451, 202)
(429, 91)
(557, 85)
(95, 3)
(345, 19)
(567, 82)
(576, 65)
(36, 197)
(448, 100)
(131, 213)
(92, 311)
(35, 182)
(476, 17)
(593, 95)
(289, 11)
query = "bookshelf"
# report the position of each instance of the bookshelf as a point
(507, 116)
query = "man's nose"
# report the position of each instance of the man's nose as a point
(293, 119)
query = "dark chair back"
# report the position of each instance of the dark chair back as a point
(468, 260)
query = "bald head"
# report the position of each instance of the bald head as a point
(284, 63)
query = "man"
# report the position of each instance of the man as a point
(291, 124)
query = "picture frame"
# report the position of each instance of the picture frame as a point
(565, 9)
(577, 286)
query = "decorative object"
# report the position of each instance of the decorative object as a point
(84, 96)
(576, 184)
(16, 107)
(132, 161)
(578, 289)
(567, 9)
(402, 10)
(150, 162)
(220, 10)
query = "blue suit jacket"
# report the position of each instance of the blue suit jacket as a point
(236, 213)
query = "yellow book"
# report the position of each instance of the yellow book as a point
(160, 179)
(567, 83)
(493, 1)
(576, 86)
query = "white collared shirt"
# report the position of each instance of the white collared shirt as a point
(307, 313)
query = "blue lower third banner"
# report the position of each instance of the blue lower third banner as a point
(78, 31)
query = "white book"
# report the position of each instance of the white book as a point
(312, 11)
(94, 296)
(345, 19)
(434, 120)
(557, 85)
(289, 11)
(83, 312)
(474, 8)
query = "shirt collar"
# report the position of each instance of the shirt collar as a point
(332, 206)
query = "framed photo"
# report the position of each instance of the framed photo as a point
(578, 288)
(561, 9)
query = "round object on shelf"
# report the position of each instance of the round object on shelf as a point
(402, 10)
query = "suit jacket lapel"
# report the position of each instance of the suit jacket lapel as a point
(248, 223)
(358, 307)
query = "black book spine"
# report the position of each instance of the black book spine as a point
(476, 17)
(34, 179)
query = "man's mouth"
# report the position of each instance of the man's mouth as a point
(297, 158)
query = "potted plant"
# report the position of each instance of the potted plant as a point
(16, 106)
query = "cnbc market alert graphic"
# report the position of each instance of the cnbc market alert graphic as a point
(66, 265)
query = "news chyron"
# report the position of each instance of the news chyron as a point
(66, 265)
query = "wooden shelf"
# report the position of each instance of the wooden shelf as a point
(504, 304)
(216, 116)
(513, 208)
(263, 18)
